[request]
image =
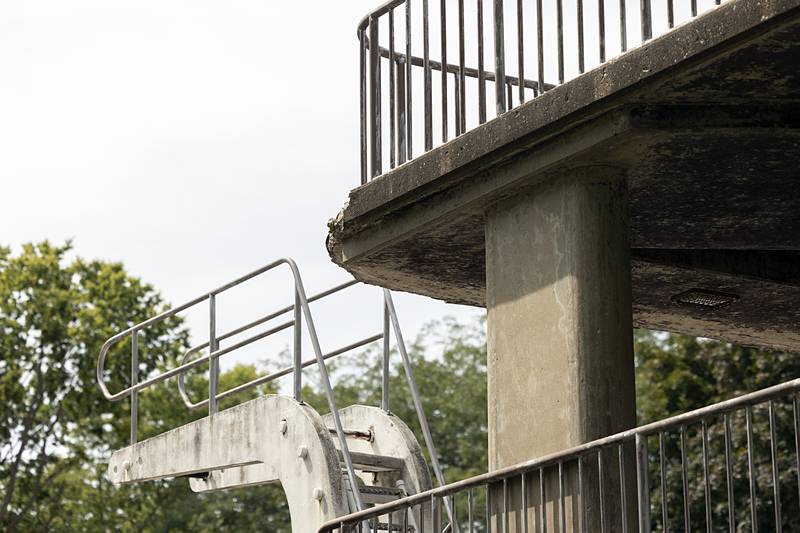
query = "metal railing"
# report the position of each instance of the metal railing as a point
(300, 310)
(537, 40)
(742, 474)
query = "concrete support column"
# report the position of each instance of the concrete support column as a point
(560, 350)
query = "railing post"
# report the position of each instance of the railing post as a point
(386, 346)
(642, 483)
(374, 97)
(362, 85)
(134, 382)
(213, 345)
(499, 58)
(298, 341)
(402, 143)
(647, 20)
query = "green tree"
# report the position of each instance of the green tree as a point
(677, 373)
(56, 429)
(54, 315)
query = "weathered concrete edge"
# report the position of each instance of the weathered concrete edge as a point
(437, 209)
(686, 47)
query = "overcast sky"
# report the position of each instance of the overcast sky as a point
(191, 140)
(198, 140)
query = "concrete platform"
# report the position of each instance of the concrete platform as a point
(705, 121)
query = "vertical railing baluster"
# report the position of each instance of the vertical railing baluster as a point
(426, 61)
(560, 38)
(462, 78)
(362, 85)
(751, 471)
(297, 354)
(796, 416)
(402, 139)
(582, 494)
(647, 20)
(663, 468)
(694, 8)
(443, 20)
(776, 484)
(375, 96)
(623, 25)
(392, 95)
(543, 500)
(134, 382)
(706, 477)
(470, 519)
(499, 58)
(729, 475)
(540, 44)
(509, 94)
(409, 90)
(521, 52)
(505, 505)
(601, 25)
(601, 485)
(622, 488)
(670, 13)
(524, 495)
(581, 44)
(213, 364)
(562, 519)
(386, 353)
(488, 509)
(643, 483)
(687, 518)
(481, 68)
(457, 102)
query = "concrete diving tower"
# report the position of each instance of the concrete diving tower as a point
(658, 190)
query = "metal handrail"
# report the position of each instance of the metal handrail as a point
(396, 48)
(301, 310)
(637, 435)
(390, 320)
(236, 331)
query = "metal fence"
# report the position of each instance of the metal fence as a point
(731, 466)
(210, 352)
(423, 64)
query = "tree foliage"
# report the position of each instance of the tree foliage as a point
(57, 431)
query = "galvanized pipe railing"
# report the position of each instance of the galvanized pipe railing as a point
(395, 39)
(300, 310)
(600, 464)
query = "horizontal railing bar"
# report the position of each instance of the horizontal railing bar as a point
(267, 318)
(380, 11)
(468, 71)
(183, 307)
(171, 312)
(746, 400)
(280, 373)
(188, 366)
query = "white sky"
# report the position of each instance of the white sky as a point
(192, 140)
(197, 140)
